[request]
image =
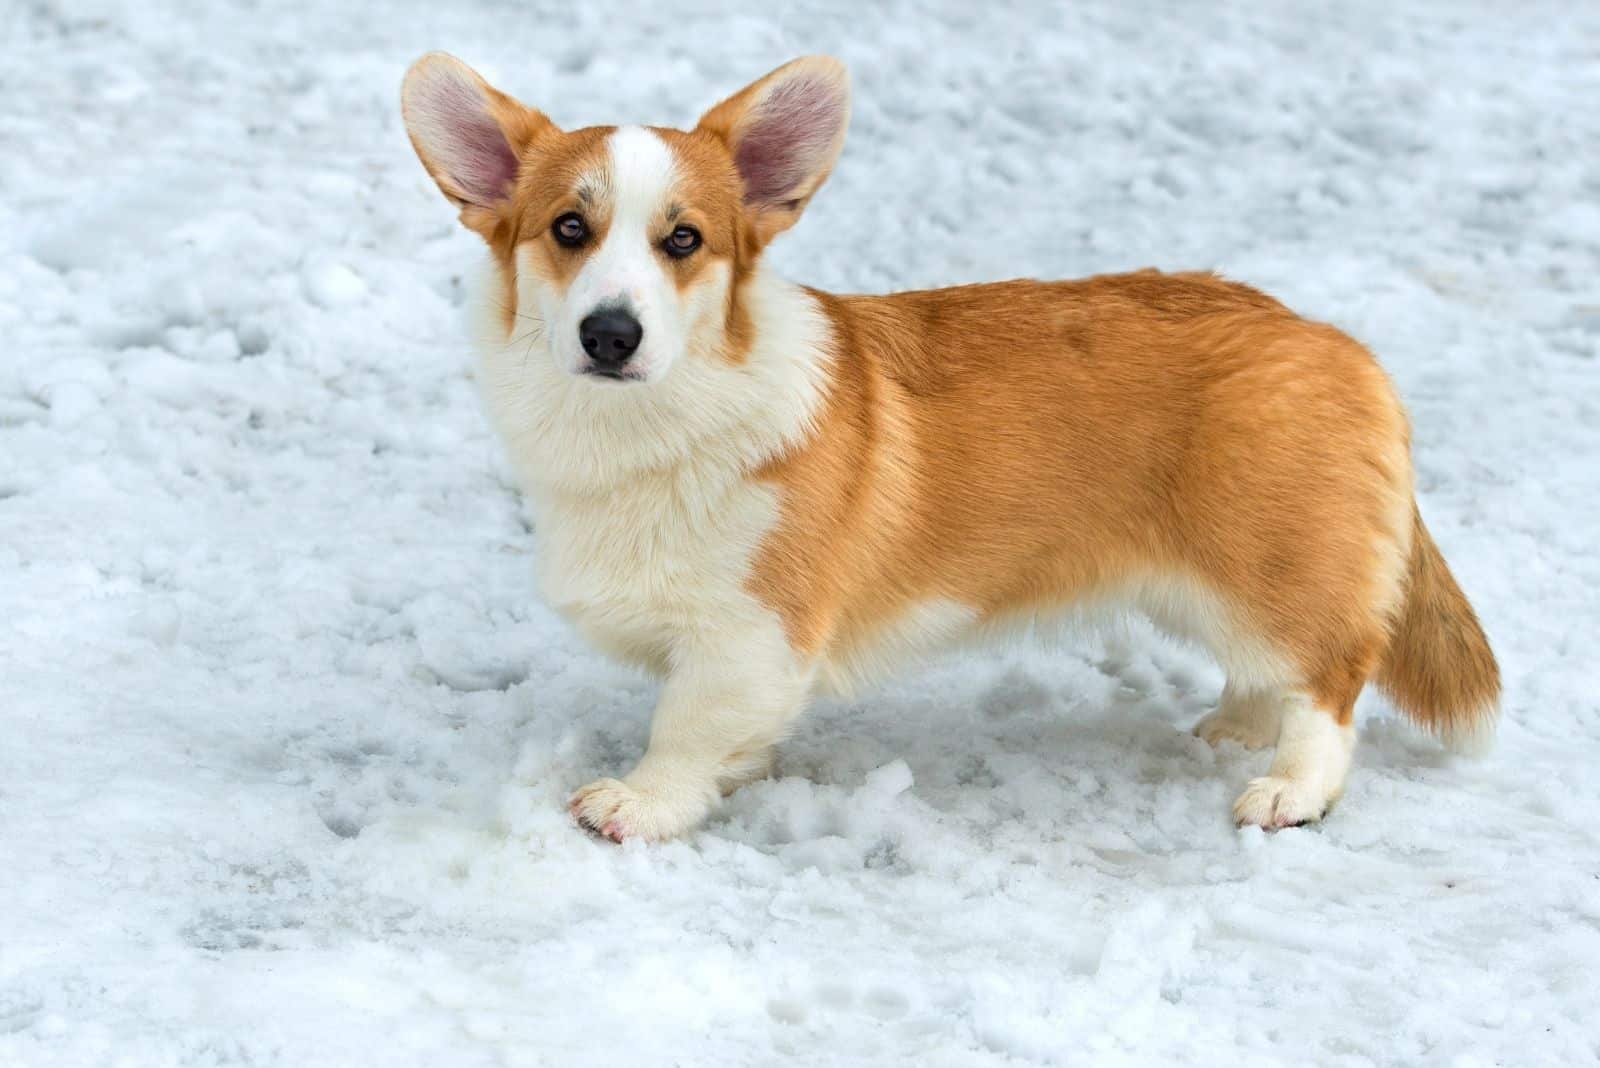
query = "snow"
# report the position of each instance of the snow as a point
(288, 732)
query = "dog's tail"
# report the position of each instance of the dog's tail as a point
(1439, 669)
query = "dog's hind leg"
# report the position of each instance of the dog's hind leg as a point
(1308, 770)
(1251, 717)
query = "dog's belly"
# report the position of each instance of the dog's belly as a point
(863, 654)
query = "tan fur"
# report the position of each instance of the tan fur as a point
(1024, 445)
(1439, 668)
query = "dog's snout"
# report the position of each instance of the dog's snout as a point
(610, 336)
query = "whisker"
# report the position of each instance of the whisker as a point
(514, 313)
(531, 335)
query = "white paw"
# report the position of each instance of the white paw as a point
(613, 808)
(1250, 732)
(1272, 802)
(620, 811)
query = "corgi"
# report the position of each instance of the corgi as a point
(759, 491)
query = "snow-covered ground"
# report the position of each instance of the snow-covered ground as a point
(285, 734)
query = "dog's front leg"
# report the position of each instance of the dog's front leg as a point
(720, 713)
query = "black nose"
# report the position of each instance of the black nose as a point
(610, 336)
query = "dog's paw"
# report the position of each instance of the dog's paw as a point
(1225, 726)
(620, 811)
(612, 808)
(1272, 802)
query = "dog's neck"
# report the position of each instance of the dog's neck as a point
(569, 437)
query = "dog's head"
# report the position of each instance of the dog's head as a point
(624, 247)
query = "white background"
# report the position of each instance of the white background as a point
(285, 734)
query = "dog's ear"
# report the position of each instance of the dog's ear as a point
(785, 133)
(469, 135)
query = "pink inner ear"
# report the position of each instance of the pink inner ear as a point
(466, 142)
(788, 139)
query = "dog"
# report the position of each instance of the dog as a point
(758, 491)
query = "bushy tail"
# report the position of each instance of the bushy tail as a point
(1439, 668)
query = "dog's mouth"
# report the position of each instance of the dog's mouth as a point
(612, 374)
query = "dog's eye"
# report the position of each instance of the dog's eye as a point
(570, 230)
(682, 241)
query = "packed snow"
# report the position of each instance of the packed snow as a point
(288, 733)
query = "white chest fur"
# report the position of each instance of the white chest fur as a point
(646, 514)
(662, 557)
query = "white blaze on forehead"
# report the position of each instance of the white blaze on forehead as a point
(641, 176)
